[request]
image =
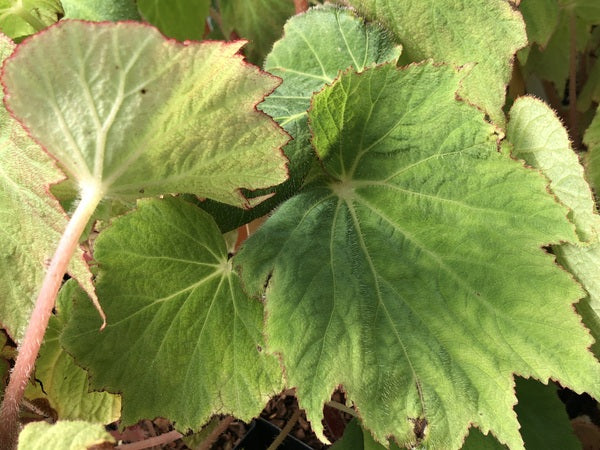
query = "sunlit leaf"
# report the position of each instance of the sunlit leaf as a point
(20, 18)
(132, 114)
(63, 435)
(31, 220)
(99, 10)
(423, 277)
(177, 316)
(484, 32)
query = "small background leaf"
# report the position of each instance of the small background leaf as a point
(179, 19)
(259, 21)
(177, 316)
(63, 435)
(20, 18)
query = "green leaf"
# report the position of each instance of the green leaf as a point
(132, 114)
(541, 19)
(591, 89)
(552, 63)
(100, 10)
(587, 10)
(355, 438)
(543, 417)
(63, 435)
(484, 32)
(31, 220)
(179, 19)
(315, 47)
(20, 18)
(65, 385)
(540, 139)
(259, 21)
(423, 274)
(591, 138)
(177, 313)
(478, 441)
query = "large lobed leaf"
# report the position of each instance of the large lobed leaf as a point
(31, 220)
(127, 111)
(539, 138)
(412, 266)
(315, 47)
(183, 341)
(484, 32)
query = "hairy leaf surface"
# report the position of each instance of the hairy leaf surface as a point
(315, 47)
(259, 21)
(540, 139)
(63, 435)
(126, 110)
(31, 220)
(62, 383)
(423, 274)
(178, 316)
(179, 19)
(484, 32)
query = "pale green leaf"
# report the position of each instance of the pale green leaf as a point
(31, 220)
(63, 435)
(541, 19)
(417, 257)
(127, 111)
(20, 18)
(179, 19)
(99, 10)
(484, 32)
(65, 385)
(591, 138)
(178, 316)
(259, 21)
(539, 138)
(315, 47)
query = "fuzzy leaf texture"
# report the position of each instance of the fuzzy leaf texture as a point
(315, 47)
(424, 276)
(31, 220)
(179, 19)
(539, 138)
(177, 313)
(259, 21)
(62, 383)
(63, 435)
(486, 33)
(127, 111)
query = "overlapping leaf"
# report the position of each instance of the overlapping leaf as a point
(133, 114)
(541, 18)
(180, 19)
(315, 47)
(31, 220)
(65, 385)
(484, 32)
(540, 139)
(417, 257)
(259, 21)
(63, 435)
(177, 317)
